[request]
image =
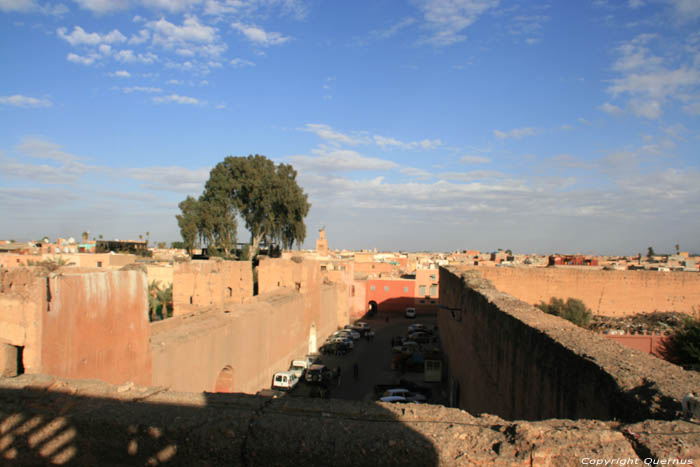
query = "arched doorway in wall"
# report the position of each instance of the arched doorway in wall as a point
(373, 308)
(312, 338)
(224, 382)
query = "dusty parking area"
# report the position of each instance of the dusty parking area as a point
(374, 362)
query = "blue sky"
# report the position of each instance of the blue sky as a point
(568, 126)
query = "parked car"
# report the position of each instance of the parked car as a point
(410, 312)
(421, 337)
(345, 340)
(335, 348)
(418, 327)
(284, 380)
(349, 333)
(380, 389)
(406, 394)
(320, 374)
(362, 327)
(408, 347)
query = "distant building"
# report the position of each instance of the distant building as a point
(572, 260)
(322, 243)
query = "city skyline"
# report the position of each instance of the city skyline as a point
(423, 126)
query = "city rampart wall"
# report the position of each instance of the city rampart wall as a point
(609, 293)
(214, 282)
(254, 340)
(96, 326)
(506, 357)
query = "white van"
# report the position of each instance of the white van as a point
(284, 380)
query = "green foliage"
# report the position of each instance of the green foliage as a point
(158, 300)
(573, 310)
(650, 252)
(178, 245)
(245, 253)
(265, 195)
(683, 347)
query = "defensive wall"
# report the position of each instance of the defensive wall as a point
(44, 420)
(507, 358)
(609, 293)
(238, 348)
(77, 323)
(88, 260)
(214, 282)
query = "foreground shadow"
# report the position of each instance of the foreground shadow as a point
(95, 424)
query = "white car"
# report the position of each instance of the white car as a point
(394, 399)
(284, 380)
(410, 312)
(406, 394)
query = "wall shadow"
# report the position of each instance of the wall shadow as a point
(397, 306)
(108, 427)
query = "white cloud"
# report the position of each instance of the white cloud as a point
(515, 133)
(41, 149)
(449, 18)
(82, 59)
(129, 90)
(27, 6)
(327, 133)
(177, 179)
(240, 63)
(259, 36)
(18, 5)
(686, 9)
(472, 175)
(176, 82)
(190, 39)
(172, 6)
(177, 99)
(103, 6)
(475, 160)
(647, 82)
(142, 37)
(80, 37)
(120, 74)
(648, 109)
(169, 34)
(611, 109)
(383, 142)
(19, 100)
(416, 172)
(340, 160)
(128, 56)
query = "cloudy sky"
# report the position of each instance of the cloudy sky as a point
(567, 126)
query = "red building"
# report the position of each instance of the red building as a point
(397, 295)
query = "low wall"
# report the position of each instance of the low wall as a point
(609, 293)
(507, 358)
(647, 344)
(214, 282)
(83, 423)
(249, 342)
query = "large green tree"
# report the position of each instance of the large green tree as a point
(265, 195)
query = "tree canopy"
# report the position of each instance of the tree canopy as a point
(264, 194)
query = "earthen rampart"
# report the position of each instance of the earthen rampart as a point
(250, 341)
(214, 282)
(609, 293)
(508, 358)
(45, 420)
(78, 323)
